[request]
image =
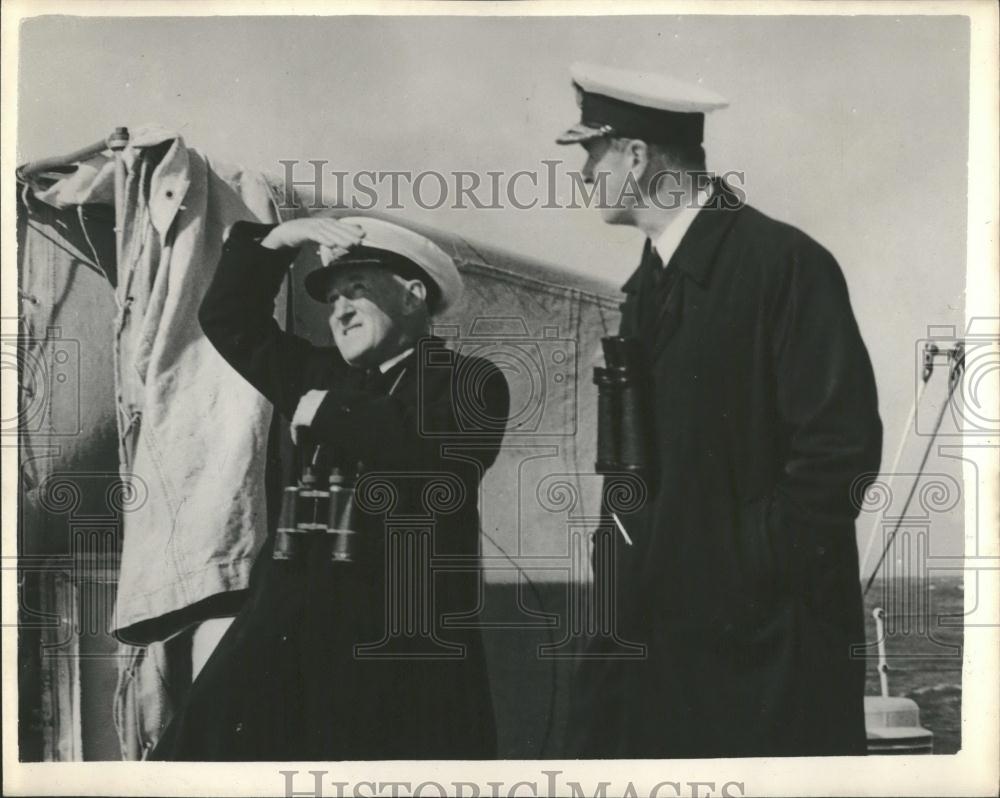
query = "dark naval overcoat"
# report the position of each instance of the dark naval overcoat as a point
(741, 584)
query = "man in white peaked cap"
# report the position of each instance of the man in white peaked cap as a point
(316, 666)
(739, 572)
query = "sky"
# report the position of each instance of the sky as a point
(853, 128)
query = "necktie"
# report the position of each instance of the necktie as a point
(660, 304)
(656, 266)
(655, 286)
(665, 276)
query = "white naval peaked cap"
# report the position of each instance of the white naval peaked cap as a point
(406, 249)
(638, 104)
(648, 89)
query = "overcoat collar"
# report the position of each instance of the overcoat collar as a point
(403, 371)
(696, 253)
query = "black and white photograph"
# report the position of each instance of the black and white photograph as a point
(500, 399)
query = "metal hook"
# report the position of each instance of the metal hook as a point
(957, 358)
(930, 351)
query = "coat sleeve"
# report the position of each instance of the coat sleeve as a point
(466, 402)
(237, 316)
(826, 403)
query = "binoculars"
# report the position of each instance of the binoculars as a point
(318, 512)
(622, 433)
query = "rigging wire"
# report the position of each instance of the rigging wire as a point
(956, 369)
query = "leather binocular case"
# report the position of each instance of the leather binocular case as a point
(622, 429)
(319, 514)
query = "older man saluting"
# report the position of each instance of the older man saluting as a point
(740, 571)
(341, 652)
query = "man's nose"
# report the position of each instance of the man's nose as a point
(342, 309)
(588, 171)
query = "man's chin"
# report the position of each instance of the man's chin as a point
(614, 216)
(354, 357)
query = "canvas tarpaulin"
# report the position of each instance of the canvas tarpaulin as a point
(195, 514)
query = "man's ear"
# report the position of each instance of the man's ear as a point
(416, 294)
(638, 152)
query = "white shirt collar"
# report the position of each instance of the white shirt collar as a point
(668, 241)
(392, 361)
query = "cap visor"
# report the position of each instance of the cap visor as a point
(579, 134)
(317, 283)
